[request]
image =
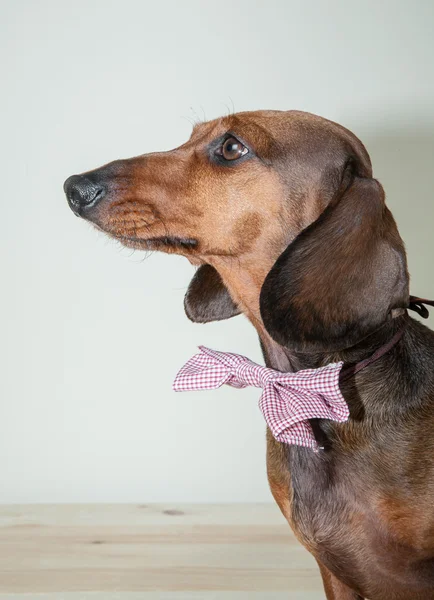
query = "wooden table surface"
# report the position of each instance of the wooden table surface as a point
(158, 552)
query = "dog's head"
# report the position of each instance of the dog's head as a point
(280, 211)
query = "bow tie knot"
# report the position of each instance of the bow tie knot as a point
(245, 372)
(288, 400)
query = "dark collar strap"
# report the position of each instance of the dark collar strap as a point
(416, 304)
(351, 370)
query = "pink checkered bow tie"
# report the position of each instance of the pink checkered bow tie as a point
(288, 400)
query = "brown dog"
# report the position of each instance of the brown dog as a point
(281, 212)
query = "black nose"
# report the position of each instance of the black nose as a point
(82, 193)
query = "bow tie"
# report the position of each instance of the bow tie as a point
(288, 400)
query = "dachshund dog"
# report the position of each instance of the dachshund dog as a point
(281, 215)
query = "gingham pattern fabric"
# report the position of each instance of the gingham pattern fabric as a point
(288, 400)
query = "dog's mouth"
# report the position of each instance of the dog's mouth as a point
(126, 233)
(139, 226)
(164, 243)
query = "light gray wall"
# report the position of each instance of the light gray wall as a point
(92, 334)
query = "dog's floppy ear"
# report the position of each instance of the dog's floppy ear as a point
(207, 298)
(339, 279)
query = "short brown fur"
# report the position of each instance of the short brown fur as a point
(297, 236)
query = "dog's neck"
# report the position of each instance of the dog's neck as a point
(287, 359)
(245, 284)
(244, 280)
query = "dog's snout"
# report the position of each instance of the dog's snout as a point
(82, 193)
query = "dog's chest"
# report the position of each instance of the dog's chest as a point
(321, 500)
(352, 526)
(307, 489)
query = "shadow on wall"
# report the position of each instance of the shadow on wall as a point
(403, 161)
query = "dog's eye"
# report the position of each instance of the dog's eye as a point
(232, 149)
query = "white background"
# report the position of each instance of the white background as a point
(92, 335)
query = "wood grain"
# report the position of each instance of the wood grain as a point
(139, 552)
